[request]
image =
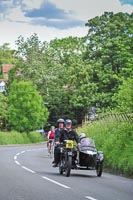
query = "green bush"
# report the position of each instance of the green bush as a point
(20, 138)
(35, 137)
(115, 139)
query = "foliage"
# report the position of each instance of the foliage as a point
(26, 108)
(115, 139)
(3, 111)
(124, 97)
(7, 55)
(19, 138)
(72, 74)
(50, 67)
(109, 52)
(35, 137)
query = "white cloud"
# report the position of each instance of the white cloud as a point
(87, 9)
(81, 10)
(10, 31)
(20, 15)
(30, 4)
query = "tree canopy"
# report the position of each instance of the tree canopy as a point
(26, 111)
(72, 74)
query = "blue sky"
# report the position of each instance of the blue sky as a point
(127, 2)
(52, 18)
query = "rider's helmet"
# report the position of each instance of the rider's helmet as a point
(52, 127)
(60, 121)
(68, 121)
(82, 135)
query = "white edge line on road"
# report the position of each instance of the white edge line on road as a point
(28, 169)
(91, 198)
(17, 162)
(57, 183)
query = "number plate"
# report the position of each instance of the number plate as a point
(69, 153)
(69, 144)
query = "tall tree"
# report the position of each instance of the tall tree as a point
(7, 56)
(51, 68)
(3, 111)
(109, 52)
(26, 107)
(124, 97)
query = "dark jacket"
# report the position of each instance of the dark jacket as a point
(71, 135)
(57, 134)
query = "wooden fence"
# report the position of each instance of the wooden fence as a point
(119, 117)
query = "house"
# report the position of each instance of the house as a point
(2, 85)
(5, 70)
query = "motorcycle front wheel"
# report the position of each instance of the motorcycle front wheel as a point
(68, 166)
(61, 166)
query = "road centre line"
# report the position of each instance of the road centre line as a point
(28, 169)
(22, 151)
(91, 198)
(17, 162)
(57, 183)
(15, 157)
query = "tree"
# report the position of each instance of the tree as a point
(109, 53)
(3, 111)
(124, 97)
(51, 67)
(7, 56)
(26, 107)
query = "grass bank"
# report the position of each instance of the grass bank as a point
(20, 138)
(115, 139)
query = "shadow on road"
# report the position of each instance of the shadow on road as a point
(76, 175)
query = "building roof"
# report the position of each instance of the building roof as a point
(3, 80)
(2, 83)
(6, 68)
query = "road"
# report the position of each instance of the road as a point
(26, 173)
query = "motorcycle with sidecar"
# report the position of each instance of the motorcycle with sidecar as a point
(88, 157)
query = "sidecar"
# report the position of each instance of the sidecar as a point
(89, 158)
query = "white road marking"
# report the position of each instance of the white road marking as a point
(91, 198)
(44, 177)
(17, 162)
(22, 152)
(15, 157)
(57, 183)
(28, 169)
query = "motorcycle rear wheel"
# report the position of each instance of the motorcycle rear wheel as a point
(99, 169)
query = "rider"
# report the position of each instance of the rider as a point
(50, 138)
(81, 136)
(85, 142)
(67, 134)
(60, 126)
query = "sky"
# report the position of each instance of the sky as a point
(51, 19)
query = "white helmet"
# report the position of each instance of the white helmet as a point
(82, 135)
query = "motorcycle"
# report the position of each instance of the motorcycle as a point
(88, 158)
(66, 154)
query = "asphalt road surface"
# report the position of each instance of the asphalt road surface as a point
(26, 173)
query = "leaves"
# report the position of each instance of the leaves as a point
(26, 108)
(73, 73)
